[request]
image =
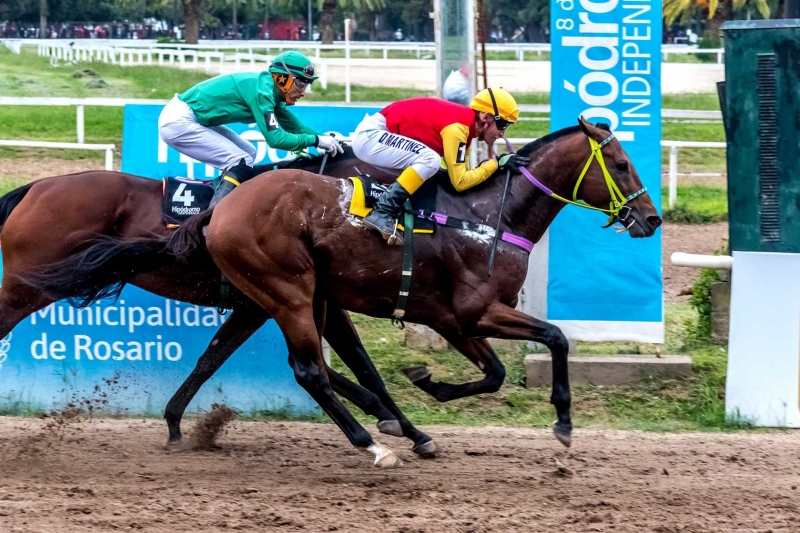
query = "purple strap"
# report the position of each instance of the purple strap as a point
(522, 242)
(536, 183)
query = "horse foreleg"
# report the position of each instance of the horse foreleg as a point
(343, 338)
(504, 322)
(480, 352)
(239, 327)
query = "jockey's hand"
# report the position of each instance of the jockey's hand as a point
(329, 144)
(512, 162)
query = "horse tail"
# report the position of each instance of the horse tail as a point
(188, 241)
(105, 264)
(11, 200)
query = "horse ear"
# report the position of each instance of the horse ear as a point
(584, 126)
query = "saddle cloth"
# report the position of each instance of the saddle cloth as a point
(184, 198)
(366, 193)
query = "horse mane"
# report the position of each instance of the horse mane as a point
(531, 147)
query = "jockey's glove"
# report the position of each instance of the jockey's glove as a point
(329, 144)
(512, 162)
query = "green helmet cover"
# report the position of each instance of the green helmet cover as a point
(295, 64)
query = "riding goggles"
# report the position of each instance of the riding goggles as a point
(499, 121)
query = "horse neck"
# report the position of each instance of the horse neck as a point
(557, 166)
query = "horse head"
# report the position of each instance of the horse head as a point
(612, 184)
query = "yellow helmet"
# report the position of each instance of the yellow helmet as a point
(497, 102)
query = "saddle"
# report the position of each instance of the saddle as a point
(183, 198)
(366, 193)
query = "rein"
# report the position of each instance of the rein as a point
(618, 200)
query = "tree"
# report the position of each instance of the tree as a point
(192, 11)
(327, 12)
(685, 11)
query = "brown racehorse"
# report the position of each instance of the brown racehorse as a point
(44, 221)
(296, 256)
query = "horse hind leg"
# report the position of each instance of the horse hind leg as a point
(239, 327)
(343, 338)
(366, 401)
(18, 301)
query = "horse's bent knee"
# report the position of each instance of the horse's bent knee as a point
(496, 379)
(556, 340)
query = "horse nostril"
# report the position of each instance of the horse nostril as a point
(654, 221)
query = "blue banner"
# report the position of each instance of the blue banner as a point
(606, 66)
(130, 356)
(145, 154)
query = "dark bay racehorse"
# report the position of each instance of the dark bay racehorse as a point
(43, 222)
(295, 257)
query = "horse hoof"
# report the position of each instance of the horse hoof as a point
(563, 434)
(427, 450)
(384, 457)
(389, 461)
(174, 445)
(390, 427)
(417, 373)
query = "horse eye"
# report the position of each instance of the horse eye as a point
(622, 166)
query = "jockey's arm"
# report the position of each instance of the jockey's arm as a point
(454, 142)
(291, 123)
(268, 118)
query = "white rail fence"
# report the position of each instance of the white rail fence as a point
(107, 148)
(420, 49)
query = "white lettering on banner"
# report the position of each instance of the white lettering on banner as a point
(603, 45)
(85, 348)
(172, 314)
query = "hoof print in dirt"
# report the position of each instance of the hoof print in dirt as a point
(417, 374)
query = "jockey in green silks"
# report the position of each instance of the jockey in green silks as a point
(194, 122)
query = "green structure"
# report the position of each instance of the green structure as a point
(761, 111)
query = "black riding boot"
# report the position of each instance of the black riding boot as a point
(232, 178)
(384, 216)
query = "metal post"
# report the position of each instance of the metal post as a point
(719, 57)
(109, 159)
(79, 117)
(673, 176)
(347, 24)
(309, 31)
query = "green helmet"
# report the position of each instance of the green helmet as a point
(295, 64)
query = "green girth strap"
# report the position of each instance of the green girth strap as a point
(224, 295)
(408, 263)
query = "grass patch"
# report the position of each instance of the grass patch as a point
(697, 205)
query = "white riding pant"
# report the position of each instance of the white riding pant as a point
(217, 146)
(374, 144)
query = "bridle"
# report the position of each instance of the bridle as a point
(618, 211)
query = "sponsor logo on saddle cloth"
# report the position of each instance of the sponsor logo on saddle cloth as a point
(184, 198)
(366, 193)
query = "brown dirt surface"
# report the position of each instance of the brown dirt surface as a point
(691, 239)
(117, 475)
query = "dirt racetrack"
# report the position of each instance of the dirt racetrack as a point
(115, 475)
